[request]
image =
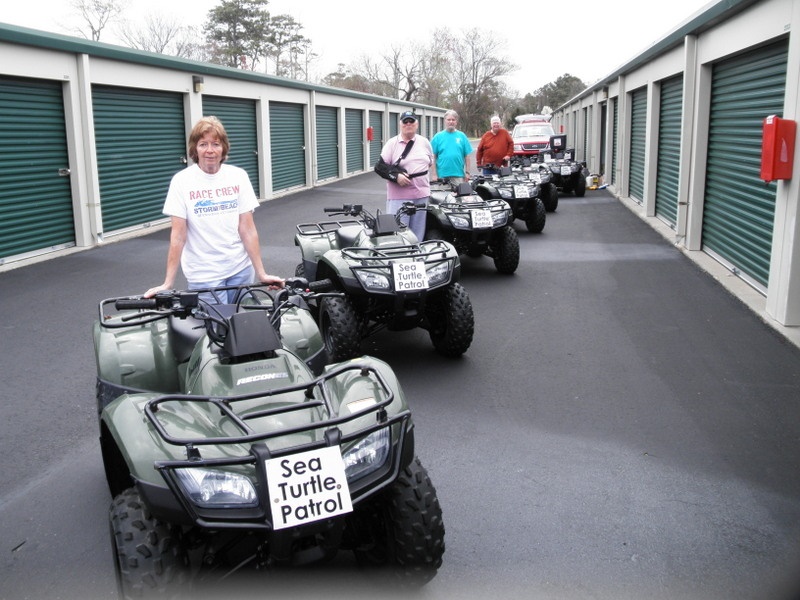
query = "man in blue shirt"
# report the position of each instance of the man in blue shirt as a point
(451, 150)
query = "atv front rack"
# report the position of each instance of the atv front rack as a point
(248, 435)
(257, 517)
(326, 226)
(435, 250)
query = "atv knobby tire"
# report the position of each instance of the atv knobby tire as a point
(537, 218)
(550, 197)
(505, 248)
(150, 561)
(451, 320)
(580, 186)
(340, 326)
(402, 528)
(433, 233)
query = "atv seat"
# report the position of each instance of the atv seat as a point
(346, 236)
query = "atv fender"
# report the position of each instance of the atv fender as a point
(136, 357)
(124, 422)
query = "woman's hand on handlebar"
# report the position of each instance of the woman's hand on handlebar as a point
(154, 290)
(273, 281)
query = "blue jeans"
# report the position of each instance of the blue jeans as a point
(243, 277)
(416, 222)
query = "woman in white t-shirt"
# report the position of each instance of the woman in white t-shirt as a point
(213, 237)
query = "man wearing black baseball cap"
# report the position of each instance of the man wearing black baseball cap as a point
(408, 156)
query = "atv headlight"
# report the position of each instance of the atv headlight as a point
(459, 222)
(506, 193)
(209, 488)
(367, 456)
(438, 273)
(372, 280)
(499, 217)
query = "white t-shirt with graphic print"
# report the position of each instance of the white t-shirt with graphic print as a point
(211, 205)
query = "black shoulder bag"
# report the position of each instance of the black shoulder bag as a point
(391, 172)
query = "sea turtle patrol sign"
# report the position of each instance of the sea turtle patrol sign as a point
(307, 487)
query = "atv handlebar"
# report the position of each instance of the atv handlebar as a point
(352, 210)
(358, 210)
(135, 303)
(182, 304)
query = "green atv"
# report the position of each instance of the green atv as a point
(569, 175)
(522, 195)
(387, 279)
(228, 442)
(476, 227)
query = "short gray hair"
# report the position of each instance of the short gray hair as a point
(495, 118)
(450, 113)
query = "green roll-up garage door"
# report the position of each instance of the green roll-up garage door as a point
(35, 201)
(238, 116)
(354, 134)
(287, 143)
(739, 208)
(638, 144)
(614, 142)
(327, 142)
(587, 127)
(669, 150)
(141, 143)
(394, 126)
(376, 122)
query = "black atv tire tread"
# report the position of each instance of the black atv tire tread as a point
(434, 233)
(150, 561)
(410, 536)
(536, 222)
(551, 198)
(341, 328)
(580, 186)
(419, 530)
(506, 250)
(452, 321)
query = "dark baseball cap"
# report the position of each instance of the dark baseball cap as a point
(408, 115)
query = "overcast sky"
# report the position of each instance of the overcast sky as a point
(585, 38)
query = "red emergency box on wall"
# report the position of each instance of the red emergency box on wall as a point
(777, 148)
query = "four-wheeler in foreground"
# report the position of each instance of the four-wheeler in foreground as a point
(476, 227)
(229, 443)
(521, 194)
(387, 278)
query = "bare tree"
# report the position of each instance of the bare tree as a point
(96, 14)
(396, 74)
(463, 71)
(157, 35)
(473, 83)
(188, 46)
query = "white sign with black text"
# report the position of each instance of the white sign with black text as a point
(307, 487)
(481, 218)
(410, 276)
